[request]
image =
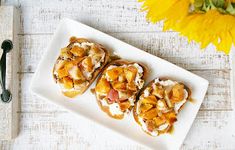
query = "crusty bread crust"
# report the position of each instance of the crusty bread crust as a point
(118, 63)
(135, 115)
(74, 93)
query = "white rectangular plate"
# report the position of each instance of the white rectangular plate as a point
(85, 105)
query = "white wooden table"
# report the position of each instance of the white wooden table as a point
(45, 126)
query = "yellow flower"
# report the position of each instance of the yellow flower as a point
(211, 24)
(165, 9)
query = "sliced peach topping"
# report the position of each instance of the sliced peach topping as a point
(150, 114)
(122, 78)
(80, 75)
(77, 51)
(130, 73)
(68, 65)
(150, 125)
(124, 95)
(145, 107)
(79, 84)
(177, 93)
(131, 86)
(65, 53)
(76, 73)
(171, 117)
(103, 86)
(72, 39)
(60, 64)
(68, 82)
(158, 91)
(81, 40)
(94, 49)
(119, 86)
(124, 105)
(77, 60)
(150, 100)
(97, 57)
(114, 73)
(167, 96)
(159, 120)
(87, 64)
(62, 73)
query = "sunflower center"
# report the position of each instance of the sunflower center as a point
(223, 6)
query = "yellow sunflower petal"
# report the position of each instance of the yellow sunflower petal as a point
(202, 27)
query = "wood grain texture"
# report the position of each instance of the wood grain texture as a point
(8, 116)
(105, 15)
(165, 45)
(65, 131)
(44, 123)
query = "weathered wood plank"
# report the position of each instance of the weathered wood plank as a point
(176, 49)
(9, 2)
(109, 16)
(232, 82)
(9, 30)
(166, 45)
(219, 92)
(211, 130)
(217, 98)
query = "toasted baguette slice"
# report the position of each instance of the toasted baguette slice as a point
(158, 104)
(118, 86)
(78, 65)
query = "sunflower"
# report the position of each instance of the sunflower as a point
(204, 21)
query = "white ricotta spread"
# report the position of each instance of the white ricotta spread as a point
(155, 131)
(161, 106)
(88, 75)
(146, 92)
(144, 127)
(163, 126)
(73, 72)
(113, 66)
(97, 63)
(113, 108)
(83, 44)
(166, 82)
(138, 81)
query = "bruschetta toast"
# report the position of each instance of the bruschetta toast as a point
(118, 86)
(78, 65)
(158, 105)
